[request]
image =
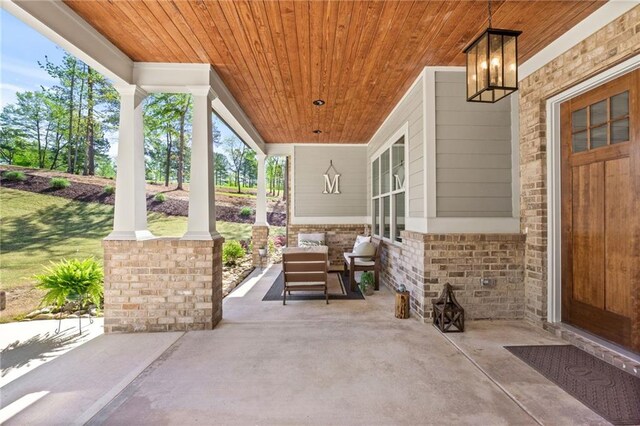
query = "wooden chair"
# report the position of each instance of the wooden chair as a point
(356, 263)
(304, 272)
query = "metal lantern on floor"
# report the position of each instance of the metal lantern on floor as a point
(492, 64)
(448, 315)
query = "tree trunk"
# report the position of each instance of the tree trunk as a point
(181, 146)
(89, 161)
(70, 136)
(74, 169)
(167, 166)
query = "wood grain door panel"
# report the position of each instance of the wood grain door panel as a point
(600, 217)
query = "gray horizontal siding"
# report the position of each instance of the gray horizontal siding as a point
(310, 163)
(409, 110)
(473, 153)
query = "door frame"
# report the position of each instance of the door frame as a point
(554, 202)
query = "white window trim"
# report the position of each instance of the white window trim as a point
(402, 132)
(554, 201)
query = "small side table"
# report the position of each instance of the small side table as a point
(402, 304)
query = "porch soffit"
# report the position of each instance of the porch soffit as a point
(276, 57)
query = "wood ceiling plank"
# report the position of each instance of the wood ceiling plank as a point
(173, 22)
(391, 33)
(276, 57)
(221, 27)
(272, 14)
(262, 42)
(147, 24)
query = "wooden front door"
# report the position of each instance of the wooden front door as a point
(600, 133)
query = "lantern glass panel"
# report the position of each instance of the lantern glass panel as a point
(495, 60)
(510, 67)
(472, 76)
(482, 65)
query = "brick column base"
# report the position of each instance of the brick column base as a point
(163, 284)
(259, 238)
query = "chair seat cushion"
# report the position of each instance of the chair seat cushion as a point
(358, 261)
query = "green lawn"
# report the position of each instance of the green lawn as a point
(36, 229)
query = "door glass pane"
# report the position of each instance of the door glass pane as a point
(620, 131)
(386, 217)
(375, 177)
(398, 164)
(620, 105)
(384, 172)
(376, 217)
(579, 142)
(579, 119)
(598, 136)
(399, 215)
(598, 113)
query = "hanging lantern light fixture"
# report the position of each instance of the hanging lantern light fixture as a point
(492, 65)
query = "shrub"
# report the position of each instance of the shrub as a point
(280, 240)
(59, 183)
(15, 176)
(232, 251)
(160, 197)
(72, 281)
(245, 212)
(109, 189)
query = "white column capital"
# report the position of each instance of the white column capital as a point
(134, 90)
(203, 91)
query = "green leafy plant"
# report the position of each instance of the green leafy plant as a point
(59, 183)
(15, 176)
(160, 197)
(366, 283)
(72, 280)
(109, 190)
(245, 212)
(232, 250)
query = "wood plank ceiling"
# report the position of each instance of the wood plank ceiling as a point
(276, 57)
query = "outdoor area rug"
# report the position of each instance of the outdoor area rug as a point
(607, 390)
(338, 287)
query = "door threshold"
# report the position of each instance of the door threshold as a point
(609, 352)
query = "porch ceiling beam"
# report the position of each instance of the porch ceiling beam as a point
(56, 21)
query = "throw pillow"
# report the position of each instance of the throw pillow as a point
(365, 249)
(359, 240)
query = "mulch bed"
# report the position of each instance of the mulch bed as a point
(94, 193)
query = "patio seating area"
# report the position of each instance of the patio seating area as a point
(304, 363)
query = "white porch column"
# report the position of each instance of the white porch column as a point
(202, 212)
(261, 196)
(130, 215)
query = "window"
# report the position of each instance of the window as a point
(388, 192)
(603, 123)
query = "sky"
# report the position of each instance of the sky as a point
(21, 47)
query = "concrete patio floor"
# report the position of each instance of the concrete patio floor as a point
(349, 362)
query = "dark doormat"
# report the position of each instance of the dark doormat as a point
(607, 390)
(338, 286)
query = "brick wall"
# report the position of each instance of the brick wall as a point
(259, 238)
(163, 284)
(339, 238)
(425, 262)
(617, 41)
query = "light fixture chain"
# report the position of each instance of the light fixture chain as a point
(489, 13)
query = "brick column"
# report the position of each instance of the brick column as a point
(259, 238)
(163, 284)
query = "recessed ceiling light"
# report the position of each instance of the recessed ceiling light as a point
(318, 102)
(317, 131)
